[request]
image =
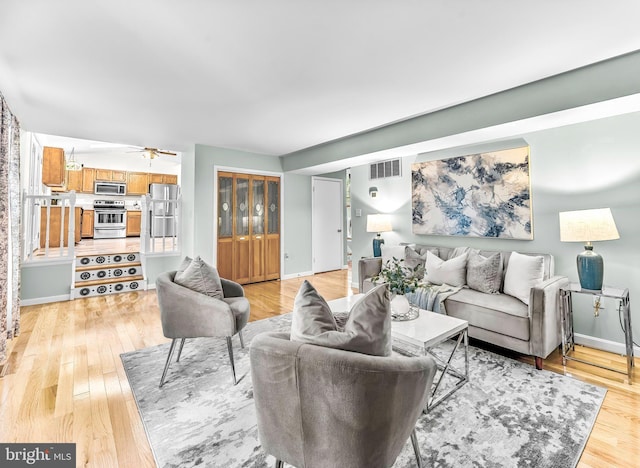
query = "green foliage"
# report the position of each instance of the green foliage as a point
(400, 278)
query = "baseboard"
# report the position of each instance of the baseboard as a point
(151, 286)
(297, 275)
(355, 286)
(604, 345)
(45, 300)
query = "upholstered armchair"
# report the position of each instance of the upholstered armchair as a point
(185, 313)
(319, 407)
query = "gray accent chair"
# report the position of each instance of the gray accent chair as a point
(189, 314)
(319, 407)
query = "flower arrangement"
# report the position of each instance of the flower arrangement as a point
(400, 278)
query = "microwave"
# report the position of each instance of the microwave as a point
(110, 188)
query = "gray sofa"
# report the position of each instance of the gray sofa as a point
(499, 319)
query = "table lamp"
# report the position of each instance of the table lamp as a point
(378, 223)
(588, 226)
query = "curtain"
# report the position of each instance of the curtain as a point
(10, 241)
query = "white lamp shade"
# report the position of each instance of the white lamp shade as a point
(378, 223)
(587, 226)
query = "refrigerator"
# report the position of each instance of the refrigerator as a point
(162, 214)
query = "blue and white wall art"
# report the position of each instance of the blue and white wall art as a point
(479, 195)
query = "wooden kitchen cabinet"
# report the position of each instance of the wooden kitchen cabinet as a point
(54, 228)
(88, 179)
(87, 223)
(137, 183)
(118, 176)
(134, 219)
(156, 178)
(53, 166)
(74, 181)
(170, 179)
(111, 175)
(103, 174)
(163, 179)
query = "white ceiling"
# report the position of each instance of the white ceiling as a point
(277, 76)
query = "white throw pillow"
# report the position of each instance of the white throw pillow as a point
(452, 272)
(523, 273)
(391, 251)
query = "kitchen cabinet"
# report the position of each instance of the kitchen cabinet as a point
(248, 227)
(137, 183)
(111, 175)
(134, 219)
(103, 174)
(74, 181)
(163, 178)
(88, 178)
(170, 179)
(87, 223)
(118, 176)
(53, 167)
(54, 227)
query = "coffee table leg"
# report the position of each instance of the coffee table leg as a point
(466, 353)
(447, 369)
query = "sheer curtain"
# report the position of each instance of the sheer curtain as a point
(9, 227)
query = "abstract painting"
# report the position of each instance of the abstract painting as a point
(479, 195)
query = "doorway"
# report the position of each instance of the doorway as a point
(327, 224)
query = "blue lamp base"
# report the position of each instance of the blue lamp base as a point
(590, 269)
(377, 243)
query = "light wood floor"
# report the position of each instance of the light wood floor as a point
(64, 380)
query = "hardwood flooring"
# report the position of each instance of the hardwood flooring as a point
(64, 381)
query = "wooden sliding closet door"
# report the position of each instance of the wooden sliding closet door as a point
(248, 227)
(241, 239)
(272, 238)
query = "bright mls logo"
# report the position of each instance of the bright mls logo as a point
(38, 455)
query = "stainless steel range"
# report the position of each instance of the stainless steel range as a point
(110, 219)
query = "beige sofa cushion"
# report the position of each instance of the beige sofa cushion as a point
(499, 313)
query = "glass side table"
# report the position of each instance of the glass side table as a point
(566, 319)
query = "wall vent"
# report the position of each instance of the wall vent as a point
(384, 169)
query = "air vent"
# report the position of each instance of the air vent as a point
(384, 169)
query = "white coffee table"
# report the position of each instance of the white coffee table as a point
(427, 331)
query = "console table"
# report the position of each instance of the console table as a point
(566, 310)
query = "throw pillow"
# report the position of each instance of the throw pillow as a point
(367, 329)
(185, 263)
(201, 277)
(452, 272)
(392, 251)
(311, 315)
(415, 262)
(523, 273)
(484, 274)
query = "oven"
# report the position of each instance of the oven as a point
(110, 219)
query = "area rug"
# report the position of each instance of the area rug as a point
(508, 415)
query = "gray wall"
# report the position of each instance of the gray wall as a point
(45, 281)
(582, 166)
(297, 224)
(296, 204)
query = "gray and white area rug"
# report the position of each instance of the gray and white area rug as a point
(508, 415)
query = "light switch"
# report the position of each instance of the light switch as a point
(358, 212)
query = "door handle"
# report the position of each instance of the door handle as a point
(339, 230)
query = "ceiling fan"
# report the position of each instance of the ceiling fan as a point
(152, 153)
